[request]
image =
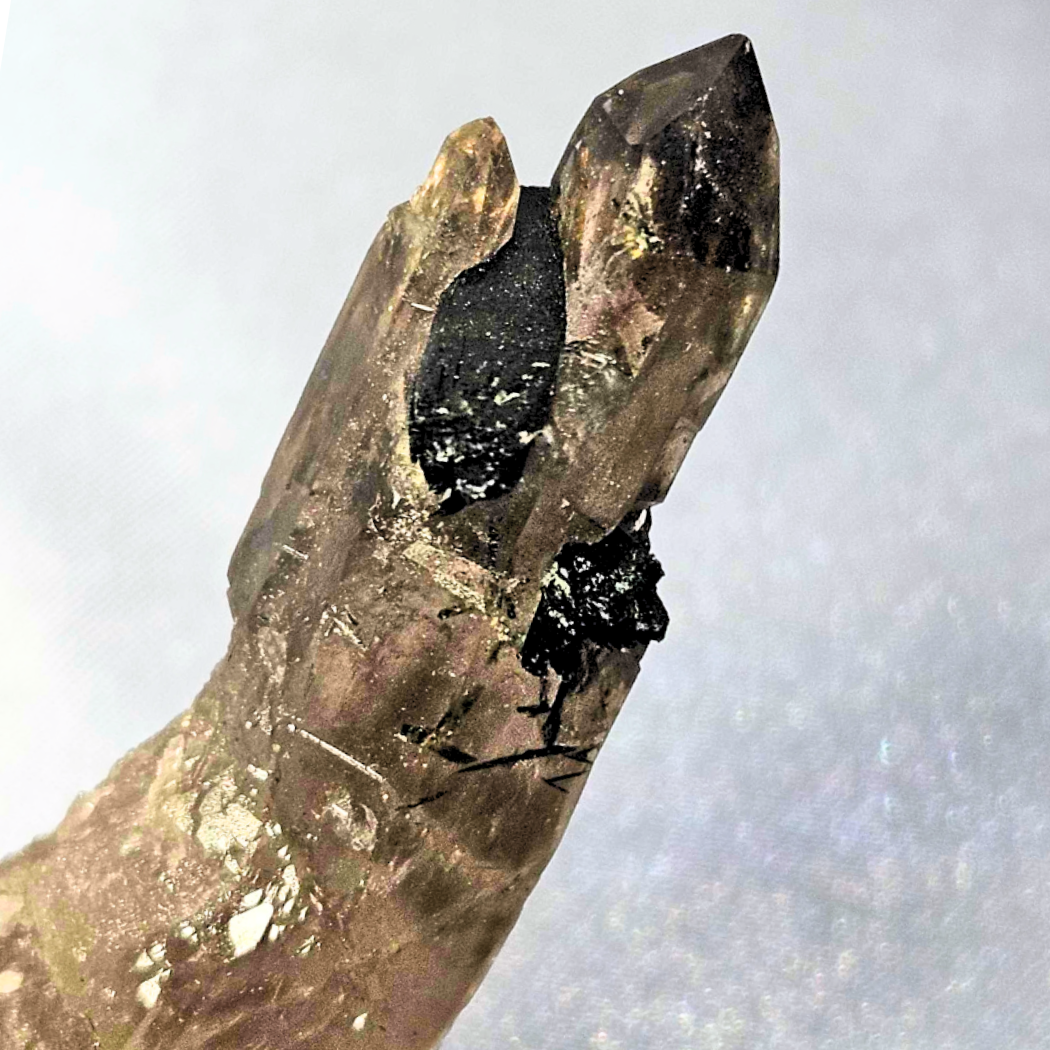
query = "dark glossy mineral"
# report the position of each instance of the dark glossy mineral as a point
(600, 593)
(440, 602)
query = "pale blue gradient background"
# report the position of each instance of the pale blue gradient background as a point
(823, 819)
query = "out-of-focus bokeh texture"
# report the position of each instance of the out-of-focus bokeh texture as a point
(823, 819)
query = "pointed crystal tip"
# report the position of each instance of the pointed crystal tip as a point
(695, 142)
(647, 101)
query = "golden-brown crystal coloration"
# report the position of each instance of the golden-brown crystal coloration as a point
(329, 847)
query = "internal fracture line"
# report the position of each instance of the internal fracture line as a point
(341, 755)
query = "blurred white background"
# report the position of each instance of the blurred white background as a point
(823, 818)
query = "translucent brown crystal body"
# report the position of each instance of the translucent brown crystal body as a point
(441, 600)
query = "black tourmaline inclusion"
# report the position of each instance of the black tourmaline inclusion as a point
(486, 378)
(603, 593)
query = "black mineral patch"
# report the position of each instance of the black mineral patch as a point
(486, 379)
(602, 593)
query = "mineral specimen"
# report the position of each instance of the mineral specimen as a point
(440, 601)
